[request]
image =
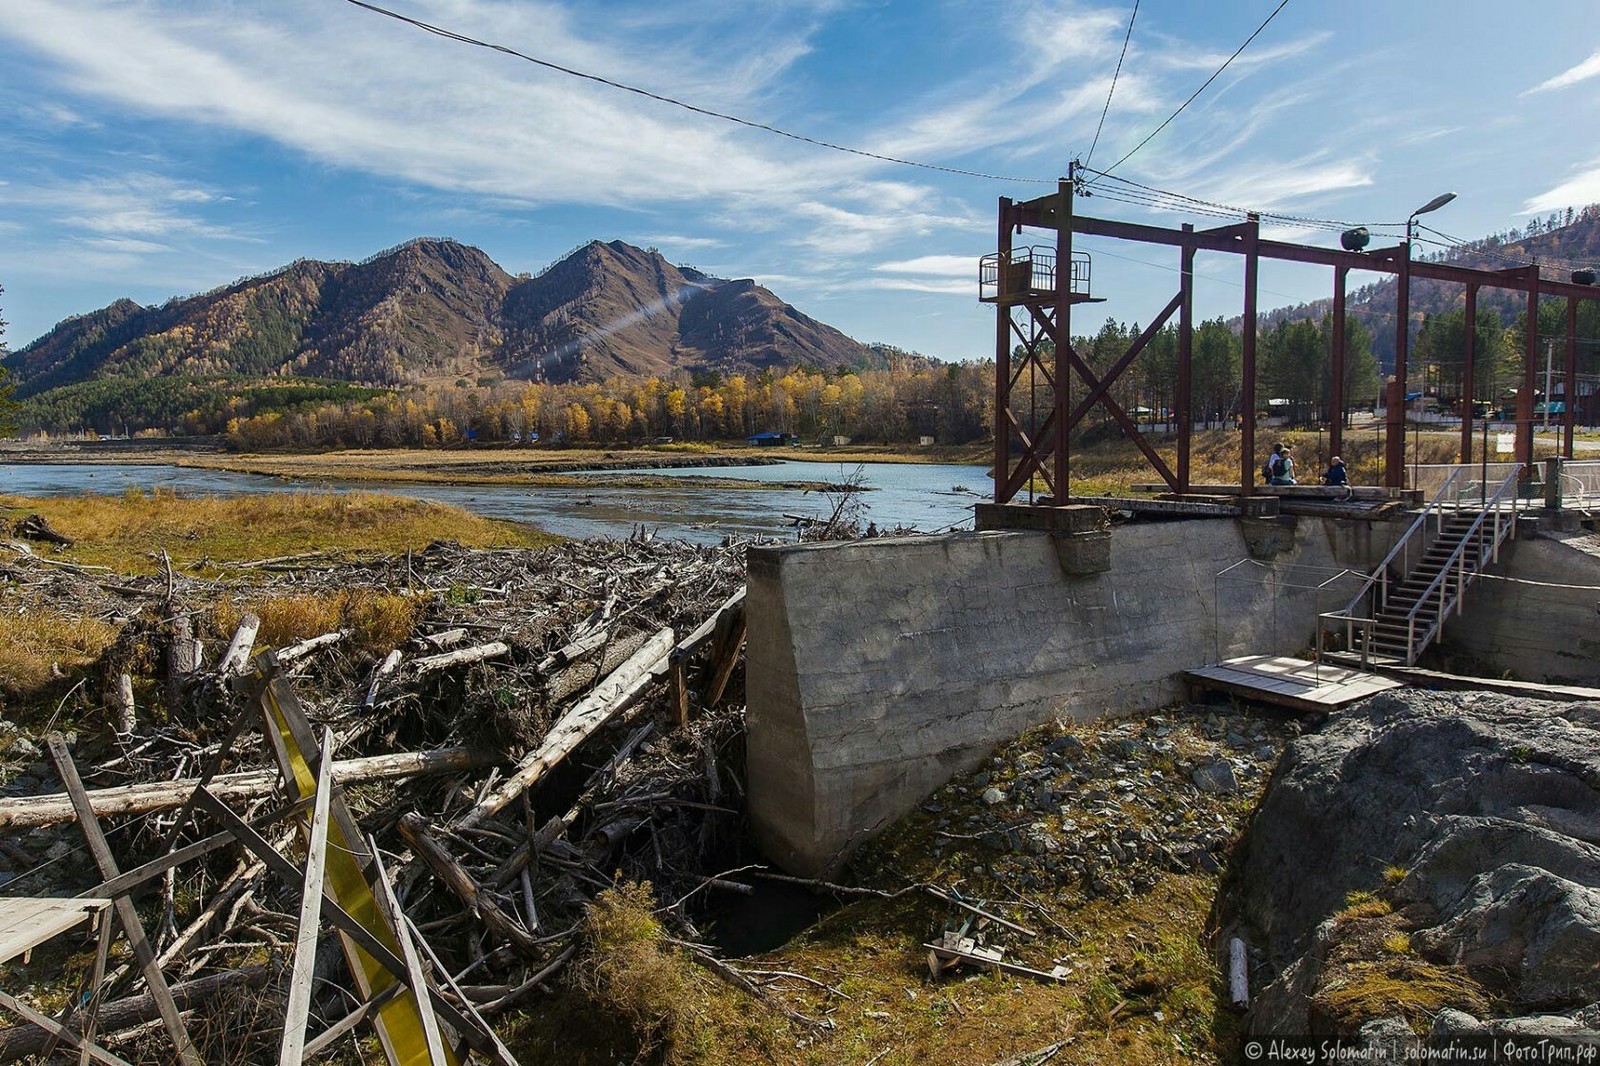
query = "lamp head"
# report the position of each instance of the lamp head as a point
(1434, 204)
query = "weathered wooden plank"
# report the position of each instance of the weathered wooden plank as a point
(26, 922)
(408, 955)
(609, 698)
(291, 1048)
(56, 1029)
(28, 812)
(126, 914)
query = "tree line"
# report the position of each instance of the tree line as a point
(912, 398)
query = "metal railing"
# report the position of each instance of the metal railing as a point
(1377, 584)
(1029, 271)
(1449, 501)
(1504, 500)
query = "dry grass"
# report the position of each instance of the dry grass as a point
(377, 621)
(35, 641)
(128, 532)
(634, 997)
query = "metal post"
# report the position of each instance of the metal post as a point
(1394, 459)
(1530, 348)
(1247, 393)
(1549, 372)
(1336, 359)
(1002, 360)
(1569, 390)
(1063, 338)
(1469, 389)
(1183, 403)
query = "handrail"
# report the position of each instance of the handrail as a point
(1492, 505)
(1380, 575)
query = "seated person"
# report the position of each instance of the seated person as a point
(1336, 475)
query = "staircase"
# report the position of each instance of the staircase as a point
(1402, 607)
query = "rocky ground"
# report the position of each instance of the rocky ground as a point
(1107, 809)
(1430, 862)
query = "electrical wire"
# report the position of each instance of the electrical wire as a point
(451, 35)
(1462, 247)
(1215, 74)
(1114, 75)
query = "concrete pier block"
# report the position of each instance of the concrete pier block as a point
(875, 670)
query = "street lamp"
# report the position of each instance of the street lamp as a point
(1432, 205)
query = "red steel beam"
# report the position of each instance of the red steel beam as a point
(1530, 350)
(1469, 386)
(1002, 363)
(1394, 455)
(1382, 261)
(1061, 386)
(1247, 392)
(1336, 359)
(1182, 403)
(1569, 391)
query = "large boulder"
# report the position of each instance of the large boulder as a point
(1476, 815)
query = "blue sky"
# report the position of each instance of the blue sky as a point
(156, 147)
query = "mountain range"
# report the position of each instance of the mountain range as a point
(437, 311)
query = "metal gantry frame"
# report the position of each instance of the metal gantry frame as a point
(1039, 450)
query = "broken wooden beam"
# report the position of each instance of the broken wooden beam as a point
(609, 698)
(30, 811)
(478, 654)
(418, 833)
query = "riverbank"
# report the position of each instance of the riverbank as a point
(487, 465)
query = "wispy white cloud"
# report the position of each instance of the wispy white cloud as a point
(678, 242)
(955, 266)
(1582, 188)
(944, 288)
(1589, 68)
(131, 205)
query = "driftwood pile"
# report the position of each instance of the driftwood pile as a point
(558, 721)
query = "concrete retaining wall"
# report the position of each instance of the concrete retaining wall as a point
(878, 669)
(1549, 631)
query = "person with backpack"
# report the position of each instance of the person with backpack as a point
(1284, 472)
(1269, 469)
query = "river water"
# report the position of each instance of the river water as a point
(925, 497)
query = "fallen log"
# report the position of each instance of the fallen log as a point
(27, 812)
(19, 1041)
(34, 527)
(465, 655)
(609, 698)
(238, 653)
(306, 647)
(390, 664)
(418, 833)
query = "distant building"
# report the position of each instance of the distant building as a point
(771, 440)
(925, 441)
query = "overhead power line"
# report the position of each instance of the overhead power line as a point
(1114, 75)
(1216, 74)
(462, 38)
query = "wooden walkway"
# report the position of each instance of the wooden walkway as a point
(28, 921)
(1288, 682)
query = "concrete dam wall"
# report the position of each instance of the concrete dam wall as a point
(878, 669)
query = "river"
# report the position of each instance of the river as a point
(921, 496)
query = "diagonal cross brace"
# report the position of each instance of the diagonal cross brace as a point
(1113, 408)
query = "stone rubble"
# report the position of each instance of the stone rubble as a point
(1108, 808)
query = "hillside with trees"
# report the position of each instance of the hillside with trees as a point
(436, 312)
